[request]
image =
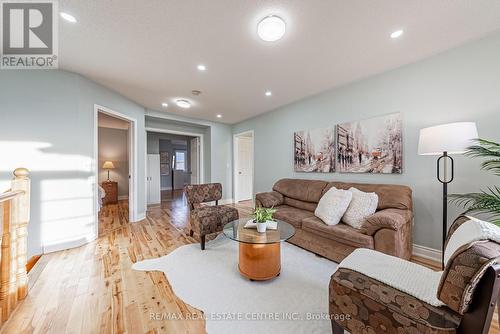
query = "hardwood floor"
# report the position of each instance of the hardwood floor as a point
(92, 289)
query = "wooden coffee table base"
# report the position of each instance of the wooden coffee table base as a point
(260, 262)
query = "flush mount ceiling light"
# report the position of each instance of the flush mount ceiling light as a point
(201, 67)
(164, 104)
(68, 17)
(184, 104)
(219, 116)
(397, 34)
(271, 28)
(268, 93)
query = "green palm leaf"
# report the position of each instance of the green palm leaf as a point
(485, 201)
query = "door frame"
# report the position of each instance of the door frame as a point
(132, 163)
(201, 162)
(235, 162)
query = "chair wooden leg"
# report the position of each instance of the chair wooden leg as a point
(191, 233)
(202, 243)
(336, 328)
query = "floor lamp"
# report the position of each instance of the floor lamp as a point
(445, 140)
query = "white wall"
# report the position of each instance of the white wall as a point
(47, 126)
(113, 146)
(459, 85)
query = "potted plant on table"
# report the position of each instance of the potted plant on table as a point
(261, 216)
(486, 201)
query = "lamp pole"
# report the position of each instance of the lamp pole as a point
(446, 158)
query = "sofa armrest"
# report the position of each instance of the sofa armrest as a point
(269, 199)
(392, 219)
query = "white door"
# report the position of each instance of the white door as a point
(195, 163)
(153, 179)
(244, 168)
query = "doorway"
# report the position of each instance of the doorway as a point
(174, 160)
(243, 165)
(115, 147)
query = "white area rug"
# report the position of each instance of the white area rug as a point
(210, 281)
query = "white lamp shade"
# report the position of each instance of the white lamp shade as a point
(453, 138)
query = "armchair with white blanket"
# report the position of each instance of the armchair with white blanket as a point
(372, 292)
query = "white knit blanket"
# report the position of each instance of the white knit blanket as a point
(470, 231)
(416, 280)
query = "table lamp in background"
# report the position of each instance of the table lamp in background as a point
(108, 165)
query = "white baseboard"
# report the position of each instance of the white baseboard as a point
(427, 253)
(140, 216)
(123, 197)
(222, 201)
(63, 245)
(226, 201)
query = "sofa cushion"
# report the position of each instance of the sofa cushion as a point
(303, 190)
(389, 195)
(309, 206)
(332, 205)
(292, 215)
(341, 232)
(211, 219)
(362, 205)
(269, 199)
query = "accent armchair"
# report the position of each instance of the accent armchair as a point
(372, 292)
(206, 219)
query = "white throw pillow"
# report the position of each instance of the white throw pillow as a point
(332, 205)
(362, 205)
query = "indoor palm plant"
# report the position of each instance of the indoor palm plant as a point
(486, 201)
(261, 216)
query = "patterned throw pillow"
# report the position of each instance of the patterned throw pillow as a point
(362, 205)
(332, 205)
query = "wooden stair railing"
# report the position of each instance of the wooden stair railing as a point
(14, 218)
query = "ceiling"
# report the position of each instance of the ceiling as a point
(149, 50)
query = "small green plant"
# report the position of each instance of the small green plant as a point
(486, 201)
(262, 215)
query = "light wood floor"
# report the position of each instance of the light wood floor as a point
(92, 289)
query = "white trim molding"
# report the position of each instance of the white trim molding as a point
(140, 216)
(133, 164)
(427, 253)
(235, 162)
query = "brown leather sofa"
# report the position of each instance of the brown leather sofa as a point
(388, 230)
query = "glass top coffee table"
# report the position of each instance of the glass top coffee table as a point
(260, 253)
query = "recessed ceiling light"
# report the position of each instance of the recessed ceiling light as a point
(268, 93)
(271, 28)
(68, 17)
(202, 67)
(397, 34)
(219, 116)
(184, 104)
(164, 104)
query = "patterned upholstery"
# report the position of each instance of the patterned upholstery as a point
(201, 193)
(370, 306)
(208, 219)
(464, 271)
(375, 307)
(211, 219)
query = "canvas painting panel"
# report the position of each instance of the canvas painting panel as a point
(372, 145)
(314, 150)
